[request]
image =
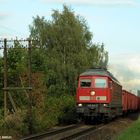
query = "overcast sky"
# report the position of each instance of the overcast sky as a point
(116, 23)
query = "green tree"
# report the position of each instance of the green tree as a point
(17, 59)
(98, 57)
(68, 47)
(1, 82)
(17, 66)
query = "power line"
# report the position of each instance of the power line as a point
(10, 31)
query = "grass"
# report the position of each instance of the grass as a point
(131, 133)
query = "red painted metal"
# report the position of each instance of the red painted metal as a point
(124, 101)
(99, 92)
(130, 102)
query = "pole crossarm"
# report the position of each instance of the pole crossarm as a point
(17, 88)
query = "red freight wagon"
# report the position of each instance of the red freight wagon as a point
(135, 103)
(130, 102)
(124, 101)
(99, 95)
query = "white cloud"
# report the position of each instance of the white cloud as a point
(93, 2)
(3, 15)
(126, 68)
(134, 63)
(3, 1)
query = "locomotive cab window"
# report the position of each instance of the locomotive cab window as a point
(85, 83)
(100, 83)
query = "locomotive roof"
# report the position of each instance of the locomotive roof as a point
(100, 72)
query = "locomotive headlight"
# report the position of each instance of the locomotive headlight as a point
(92, 93)
(79, 104)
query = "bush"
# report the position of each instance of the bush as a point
(56, 110)
(60, 110)
(16, 122)
(68, 115)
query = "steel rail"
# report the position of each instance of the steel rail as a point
(82, 133)
(50, 133)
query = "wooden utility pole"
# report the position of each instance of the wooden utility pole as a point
(5, 77)
(30, 93)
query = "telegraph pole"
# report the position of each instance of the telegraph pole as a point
(30, 93)
(5, 77)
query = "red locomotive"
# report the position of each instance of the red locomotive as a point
(100, 96)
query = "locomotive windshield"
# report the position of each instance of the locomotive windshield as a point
(100, 83)
(85, 82)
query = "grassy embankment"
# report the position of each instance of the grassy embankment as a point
(131, 133)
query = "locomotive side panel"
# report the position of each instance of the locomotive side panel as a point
(116, 95)
(115, 99)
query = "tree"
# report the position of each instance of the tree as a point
(67, 43)
(98, 55)
(1, 82)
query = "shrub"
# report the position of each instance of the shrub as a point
(56, 110)
(16, 121)
(60, 109)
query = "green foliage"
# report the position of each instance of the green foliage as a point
(99, 55)
(16, 58)
(1, 81)
(39, 60)
(61, 110)
(56, 111)
(68, 49)
(68, 115)
(16, 122)
(1, 119)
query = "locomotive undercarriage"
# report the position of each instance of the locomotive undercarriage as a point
(97, 112)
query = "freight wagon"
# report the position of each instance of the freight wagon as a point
(130, 102)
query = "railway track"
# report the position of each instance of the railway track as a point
(86, 132)
(50, 133)
(66, 133)
(82, 134)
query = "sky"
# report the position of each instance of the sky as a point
(116, 23)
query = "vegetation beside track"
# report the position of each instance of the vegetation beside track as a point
(55, 111)
(131, 133)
